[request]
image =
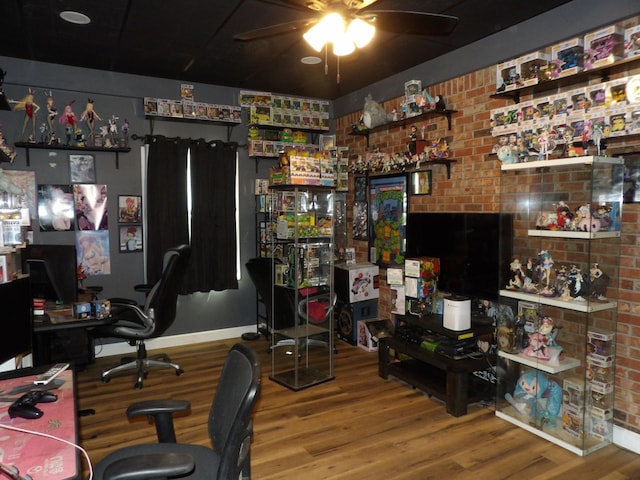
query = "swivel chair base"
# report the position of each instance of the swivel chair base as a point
(141, 365)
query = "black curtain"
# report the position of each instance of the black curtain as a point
(213, 225)
(167, 215)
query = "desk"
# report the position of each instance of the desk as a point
(59, 337)
(41, 458)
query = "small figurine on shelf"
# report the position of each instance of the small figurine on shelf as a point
(576, 285)
(68, 119)
(598, 283)
(113, 130)
(125, 133)
(413, 141)
(544, 271)
(52, 112)
(516, 281)
(30, 113)
(89, 116)
(537, 347)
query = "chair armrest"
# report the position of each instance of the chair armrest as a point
(122, 301)
(161, 412)
(143, 287)
(160, 465)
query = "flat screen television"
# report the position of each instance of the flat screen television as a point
(15, 298)
(468, 246)
(52, 271)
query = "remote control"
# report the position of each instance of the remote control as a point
(50, 374)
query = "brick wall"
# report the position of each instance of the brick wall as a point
(474, 186)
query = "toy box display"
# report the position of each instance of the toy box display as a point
(572, 422)
(421, 284)
(567, 57)
(600, 345)
(573, 393)
(603, 47)
(632, 41)
(370, 331)
(533, 68)
(357, 282)
(507, 76)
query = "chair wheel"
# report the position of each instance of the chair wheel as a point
(138, 385)
(105, 379)
(179, 372)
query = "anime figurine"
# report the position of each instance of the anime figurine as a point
(89, 116)
(113, 130)
(537, 346)
(544, 268)
(537, 397)
(598, 283)
(413, 139)
(52, 112)
(30, 113)
(125, 133)
(68, 119)
(516, 281)
(576, 285)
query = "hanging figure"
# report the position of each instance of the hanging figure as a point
(30, 113)
(89, 115)
(68, 119)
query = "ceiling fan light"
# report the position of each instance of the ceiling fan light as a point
(333, 25)
(343, 45)
(360, 32)
(316, 37)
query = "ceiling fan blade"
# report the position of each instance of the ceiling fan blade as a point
(278, 29)
(417, 23)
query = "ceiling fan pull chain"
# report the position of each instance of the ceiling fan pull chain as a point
(326, 59)
(338, 76)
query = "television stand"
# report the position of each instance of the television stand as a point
(445, 378)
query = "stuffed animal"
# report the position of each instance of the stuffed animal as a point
(537, 397)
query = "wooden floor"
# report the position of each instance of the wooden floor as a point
(358, 426)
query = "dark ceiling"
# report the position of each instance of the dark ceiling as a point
(192, 40)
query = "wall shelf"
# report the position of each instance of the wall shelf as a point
(603, 73)
(229, 125)
(401, 123)
(72, 148)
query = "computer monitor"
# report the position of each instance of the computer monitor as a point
(16, 320)
(52, 271)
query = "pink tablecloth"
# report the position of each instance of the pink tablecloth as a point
(42, 458)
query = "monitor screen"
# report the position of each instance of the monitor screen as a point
(15, 298)
(468, 246)
(52, 270)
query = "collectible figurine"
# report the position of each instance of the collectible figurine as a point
(90, 115)
(516, 282)
(413, 139)
(52, 112)
(68, 119)
(544, 271)
(537, 346)
(113, 130)
(537, 397)
(576, 286)
(598, 283)
(30, 113)
(125, 133)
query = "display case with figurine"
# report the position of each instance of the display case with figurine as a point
(302, 340)
(558, 299)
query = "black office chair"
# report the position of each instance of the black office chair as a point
(137, 323)
(320, 305)
(230, 431)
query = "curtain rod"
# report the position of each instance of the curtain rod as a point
(146, 138)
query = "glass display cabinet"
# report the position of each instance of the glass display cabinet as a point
(303, 295)
(557, 314)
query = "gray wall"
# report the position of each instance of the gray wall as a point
(121, 95)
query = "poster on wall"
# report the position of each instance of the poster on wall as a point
(18, 191)
(55, 208)
(388, 205)
(91, 207)
(360, 229)
(130, 238)
(92, 249)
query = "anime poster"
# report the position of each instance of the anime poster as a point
(55, 208)
(91, 206)
(92, 249)
(130, 238)
(18, 191)
(388, 219)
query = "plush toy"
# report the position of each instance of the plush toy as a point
(374, 115)
(537, 397)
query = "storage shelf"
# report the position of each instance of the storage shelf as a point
(572, 234)
(588, 306)
(555, 435)
(565, 364)
(561, 162)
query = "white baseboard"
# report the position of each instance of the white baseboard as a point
(626, 439)
(123, 348)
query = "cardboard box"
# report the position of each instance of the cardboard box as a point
(370, 331)
(603, 47)
(573, 393)
(507, 76)
(357, 282)
(568, 57)
(632, 41)
(350, 314)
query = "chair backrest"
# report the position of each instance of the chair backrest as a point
(261, 275)
(230, 425)
(163, 297)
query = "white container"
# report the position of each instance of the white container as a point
(457, 313)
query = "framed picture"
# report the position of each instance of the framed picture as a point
(82, 168)
(421, 183)
(129, 209)
(130, 238)
(388, 207)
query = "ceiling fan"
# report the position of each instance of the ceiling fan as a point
(395, 21)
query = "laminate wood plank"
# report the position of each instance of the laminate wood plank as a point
(356, 426)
